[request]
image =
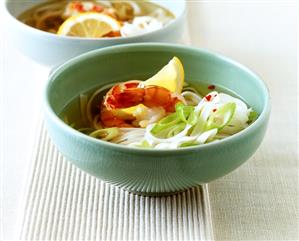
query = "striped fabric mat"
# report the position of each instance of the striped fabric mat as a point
(64, 203)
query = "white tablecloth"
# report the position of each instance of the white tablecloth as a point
(64, 203)
(258, 201)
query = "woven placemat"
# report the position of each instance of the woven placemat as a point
(64, 203)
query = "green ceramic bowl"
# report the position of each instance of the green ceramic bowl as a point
(145, 171)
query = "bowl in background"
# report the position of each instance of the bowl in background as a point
(146, 171)
(51, 50)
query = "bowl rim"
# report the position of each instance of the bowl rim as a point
(48, 111)
(169, 25)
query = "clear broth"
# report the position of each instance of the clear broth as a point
(71, 113)
(30, 16)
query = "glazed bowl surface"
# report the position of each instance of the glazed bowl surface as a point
(147, 171)
(51, 50)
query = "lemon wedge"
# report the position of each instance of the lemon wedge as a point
(90, 25)
(170, 77)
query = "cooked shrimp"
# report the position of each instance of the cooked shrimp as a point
(133, 93)
(110, 119)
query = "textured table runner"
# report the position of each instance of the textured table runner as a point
(64, 203)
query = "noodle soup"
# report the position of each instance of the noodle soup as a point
(97, 19)
(75, 116)
(157, 114)
(52, 49)
(152, 169)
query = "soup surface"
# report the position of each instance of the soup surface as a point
(73, 115)
(97, 19)
(163, 112)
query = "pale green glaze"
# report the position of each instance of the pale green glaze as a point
(153, 171)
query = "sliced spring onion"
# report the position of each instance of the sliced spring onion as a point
(153, 139)
(192, 119)
(189, 143)
(198, 127)
(207, 136)
(106, 134)
(191, 98)
(86, 131)
(143, 144)
(173, 124)
(186, 113)
(252, 116)
(196, 121)
(201, 138)
(165, 123)
(220, 118)
(203, 116)
(180, 112)
(174, 130)
(96, 122)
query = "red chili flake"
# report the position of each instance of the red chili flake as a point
(214, 110)
(78, 6)
(208, 97)
(97, 8)
(112, 34)
(211, 87)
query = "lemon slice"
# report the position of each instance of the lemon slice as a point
(170, 77)
(90, 24)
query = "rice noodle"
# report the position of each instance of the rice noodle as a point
(189, 88)
(83, 104)
(96, 122)
(129, 136)
(191, 98)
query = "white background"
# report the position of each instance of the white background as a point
(260, 34)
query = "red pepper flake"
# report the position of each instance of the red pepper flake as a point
(97, 8)
(211, 87)
(78, 6)
(208, 97)
(113, 34)
(214, 110)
